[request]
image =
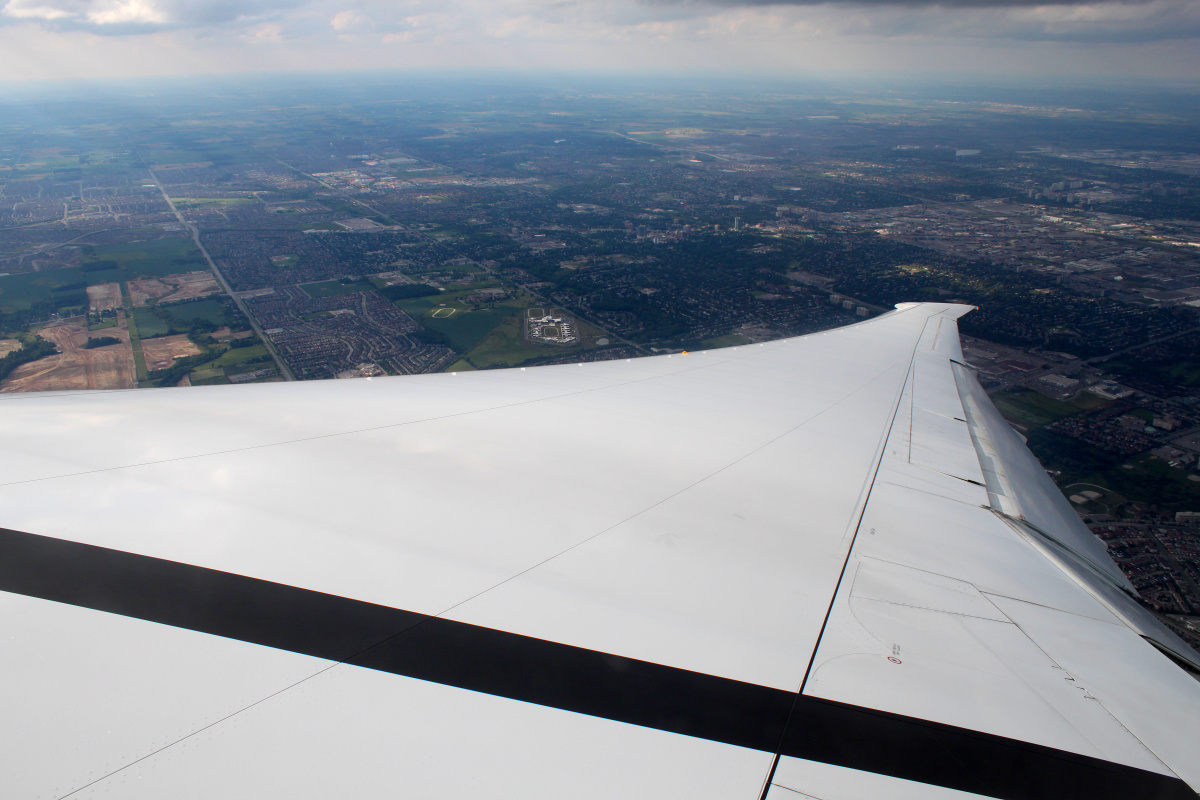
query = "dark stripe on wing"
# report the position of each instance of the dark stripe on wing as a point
(560, 676)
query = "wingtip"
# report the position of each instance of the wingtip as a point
(962, 308)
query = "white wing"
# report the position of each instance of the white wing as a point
(821, 566)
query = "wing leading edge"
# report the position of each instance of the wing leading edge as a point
(821, 566)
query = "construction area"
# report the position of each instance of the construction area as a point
(75, 366)
(184, 286)
(161, 351)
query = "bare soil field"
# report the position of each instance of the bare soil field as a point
(183, 286)
(8, 346)
(74, 367)
(161, 351)
(143, 290)
(104, 296)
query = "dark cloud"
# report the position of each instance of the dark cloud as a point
(1066, 21)
(949, 4)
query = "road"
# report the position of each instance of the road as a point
(212, 265)
(1143, 344)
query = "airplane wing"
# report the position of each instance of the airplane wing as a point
(817, 567)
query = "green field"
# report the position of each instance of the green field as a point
(135, 342)
(467, 329)
(1030, 409)
(242, 369)
(330, 288)
(19, 292)
(205, 202)
(149, 325)
(178, 318)
(101, 264)
(468, 325)
(1107, 503)
(1144, 477)
(420, 307)
(506, 345)
(728, 340)
(49, 163)
(238, 355)
(207, 377)
(152, 259)
(187, 313)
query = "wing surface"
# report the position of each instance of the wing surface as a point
(822, 566)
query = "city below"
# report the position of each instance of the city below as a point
(294, 234)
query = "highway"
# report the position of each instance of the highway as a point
(212, 265)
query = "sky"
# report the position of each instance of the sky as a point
(1139, 40)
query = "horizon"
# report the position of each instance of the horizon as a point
(1083, 92)
(1061, 42)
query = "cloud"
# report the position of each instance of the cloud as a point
(141, 16)
(23, 9)
(1157, 20)
(267, 33)
(345, 20)
(594, 20)
(137, 12)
